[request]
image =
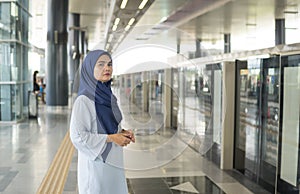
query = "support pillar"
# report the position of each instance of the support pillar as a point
(145, 92)
(126, 87)
(227, 43)
(74, 55)
(227, 142)
(279, 31)
(178, 43)
(198, 48)
(57, 38)
(132, 88)
(167, 97)
(84, 45)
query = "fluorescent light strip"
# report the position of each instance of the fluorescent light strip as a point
(117, 20)
(115, 47)
(107, 46)
(131, 21)
(110, 38)
(127, 27)
(114, 28)
(121, 37)
(143, 4)
(163, 19)
(123, 4)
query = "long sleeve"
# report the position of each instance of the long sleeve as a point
(83, 129)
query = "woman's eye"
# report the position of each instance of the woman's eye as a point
(102, 64)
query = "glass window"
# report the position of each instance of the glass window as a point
(5, 21)
(201, 108)
(13, 60)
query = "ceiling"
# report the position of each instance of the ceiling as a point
(251, 23)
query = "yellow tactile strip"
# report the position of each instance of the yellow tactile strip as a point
(56, 176)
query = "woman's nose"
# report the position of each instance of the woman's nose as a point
(106, 67)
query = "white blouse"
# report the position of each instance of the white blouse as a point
(94, 176)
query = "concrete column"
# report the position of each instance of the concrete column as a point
(132, 88)
(178, 43)
(83, 43)
(279, 31)
(126, 85)
(227, 144)
(122, 84)
(57, 38)
(145, 97)
(227, 43)
(74, 55)
(198, 48)
(167, 97)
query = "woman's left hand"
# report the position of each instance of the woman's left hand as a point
(129, 134)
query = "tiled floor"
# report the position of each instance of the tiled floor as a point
(27, 150)
(167, 166)
(175, 185)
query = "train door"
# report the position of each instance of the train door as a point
(288, 159)
(257, 120)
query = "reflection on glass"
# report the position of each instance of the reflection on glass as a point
(13, 59)
(257, 119)
(10, 102)
(270, 117)
(217, 106)
(249, 103)
(201, 110)
(290, 125)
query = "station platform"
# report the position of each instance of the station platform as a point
(28, 151)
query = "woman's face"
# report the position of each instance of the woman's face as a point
(103, 68)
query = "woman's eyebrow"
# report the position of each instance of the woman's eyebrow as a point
(104, 61)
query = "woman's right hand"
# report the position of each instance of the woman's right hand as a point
(119, 139)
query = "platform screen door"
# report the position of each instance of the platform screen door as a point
(257, 120)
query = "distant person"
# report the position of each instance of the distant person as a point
(196, 86)
(36, 86)
(95, 131)
(42, 91)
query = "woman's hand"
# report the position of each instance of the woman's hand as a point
(129, 134)
(120, 139)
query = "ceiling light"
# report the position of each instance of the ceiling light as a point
(110, 38)
(123, 4)
(121, 37)
(131, 21)
(127, 27)
(114, 28)
(115, 47)
(107, 46)
(163, 19)
(141, 6)
(117, 20)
